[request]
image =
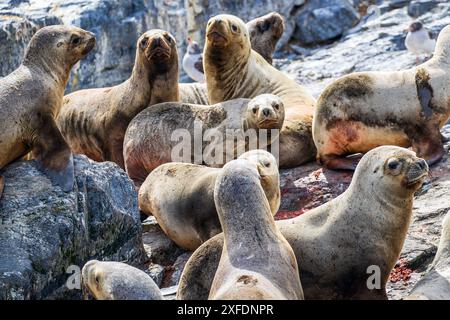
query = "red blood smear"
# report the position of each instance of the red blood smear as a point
(282, 215)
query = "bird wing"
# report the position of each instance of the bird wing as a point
(199, 64)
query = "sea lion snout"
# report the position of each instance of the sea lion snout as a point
(157, 44)
(90, 41)
(417, 172)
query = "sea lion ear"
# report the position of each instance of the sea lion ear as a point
(59, 44)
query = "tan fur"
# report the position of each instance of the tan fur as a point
(337, 242)
(364, 110)
(94, 121)
(233, 70)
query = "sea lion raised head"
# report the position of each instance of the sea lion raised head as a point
(59, 46)
(265, 111)
(160, 49)
(226, 34)
(108, 280)
(442, 49)
(265, 32)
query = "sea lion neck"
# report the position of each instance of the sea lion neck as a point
(53, 67)
(443, 252)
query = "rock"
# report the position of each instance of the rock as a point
(44, 230)
(156, 272)
(159, 247)
(173, 273)
(324, 20)
(418, 8)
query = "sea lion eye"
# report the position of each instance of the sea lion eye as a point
(267, 164)
(394, 165)
(144, 42)
(234, 28)
(76, 40)
(255, 109)
(97, 279)
(169, 38)
(276, 106)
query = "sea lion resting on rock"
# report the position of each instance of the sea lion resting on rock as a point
(31, 97)
(152, 138)
(364, 110)
(435, 284)
(181, 197)
(94, 121)
(336, 243)
(257, 262)
(233, 70)
(109, 280)
(264, 33)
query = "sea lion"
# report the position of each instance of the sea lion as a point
(435, 284)
(31, 97)
(264, 34)
(338, 243)
(265, 31)
(257, 262)
(94, 121)
(181, 197)
(233, 70)
(363, 110)
(154, 135)
(109, 280)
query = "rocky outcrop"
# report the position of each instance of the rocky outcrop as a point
(44, 230)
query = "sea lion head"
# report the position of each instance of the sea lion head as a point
(267, 168)
(442, 49)
(59, 45)
(158, 48)
(393, 170)
(108, 280)
(227, 34)
(265, 111)
(265, 32)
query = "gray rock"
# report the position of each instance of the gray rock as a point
(159, 247)
(418, 8)
(156, 272)
(174, 272)
(43, 230)
(324, 20)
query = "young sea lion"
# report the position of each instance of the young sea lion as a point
(435, 284)
(364, 110)
(109, 280)
(339, 244)
(94, 121)
(257, 262)
(233, 70)
(208, 133)
(31, 97)
(181, 197)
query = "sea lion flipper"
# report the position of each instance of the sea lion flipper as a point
(2, 185)
(428, 144)
(53, 155)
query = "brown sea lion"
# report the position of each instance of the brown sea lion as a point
(31, 98)
(343, 244)
(109, 280)
(257, 262)
(94, 121)
(181, 197)
(233, 70)
(364, 110)
(208, 134)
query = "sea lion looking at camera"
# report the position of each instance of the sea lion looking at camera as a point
(94, 121)
(109, 280)
(233, 70)
(341, 243)
(257, 262)
(213, 135)
(265, 31)
(364, 110)
(31, 97)
(181, 197)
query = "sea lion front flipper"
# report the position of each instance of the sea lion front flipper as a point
(428, 144)
(2, 185)
(53, 155)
